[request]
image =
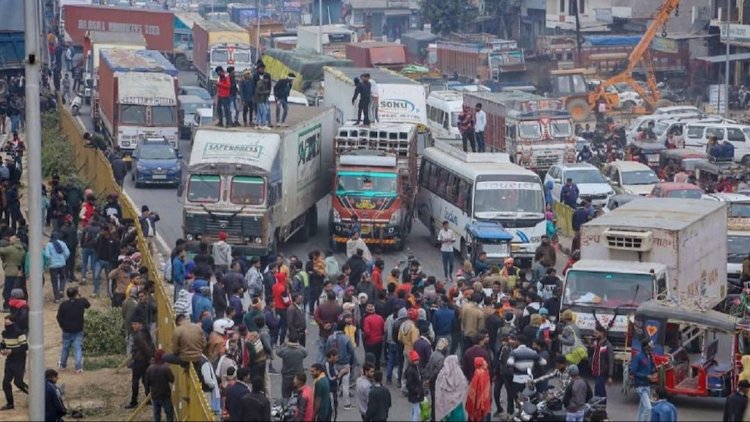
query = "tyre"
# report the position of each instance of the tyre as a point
(746, 161)
(579, 109)
(182, 63)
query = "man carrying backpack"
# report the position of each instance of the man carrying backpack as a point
(281, 92)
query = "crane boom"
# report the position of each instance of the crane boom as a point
(640, 52)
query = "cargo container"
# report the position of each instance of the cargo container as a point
(377, 54)
(219, 43)
(417, 45)
(536, 132)
(274, 179)
(401, 100)
(335, 38)
(96, 41)
(258, 32)
(673, 249)
(136, 98)
(156, 26)
(486, 59)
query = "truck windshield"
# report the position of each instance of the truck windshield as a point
(737, 248)
(530, 130)
(366, 184)
(219, 56)
(163, 115)
(131, 114)
(607, 289)
(247, 190)
(492, 199)
(203, 188)
(242, 56)
(560, 128)
(739, 210)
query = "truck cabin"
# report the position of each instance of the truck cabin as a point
(146, 101)
(490, 238)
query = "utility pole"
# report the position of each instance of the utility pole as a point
(578, 32)
(726, 64)
(257, 32)
(320, 26)
(34, 142)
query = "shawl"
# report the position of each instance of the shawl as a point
(450, 388)
(478, 403)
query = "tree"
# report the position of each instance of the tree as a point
(446, 16)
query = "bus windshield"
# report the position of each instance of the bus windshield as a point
(203, 188)
(366, 184)
(607, 289)
(499, 198)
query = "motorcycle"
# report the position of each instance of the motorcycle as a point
(75, 105)
(532, 405)
(284, 410)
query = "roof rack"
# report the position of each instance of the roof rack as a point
(454, 148)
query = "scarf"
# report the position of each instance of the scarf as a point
(450, 388)
(478, 403)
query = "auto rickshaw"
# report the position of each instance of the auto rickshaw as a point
(488, 237)
(650, 153)
(684, 158)
(690, 348)
(709, 172)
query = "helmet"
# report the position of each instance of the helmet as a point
(222, 325)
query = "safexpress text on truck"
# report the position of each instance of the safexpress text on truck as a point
(260, 187)
(668, 248)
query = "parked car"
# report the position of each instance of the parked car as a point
(202, 117)
(592, 186)
(156, 162)
(617, 201)
(188, 105)
(631, 177)
(676, 190)
(198, 91)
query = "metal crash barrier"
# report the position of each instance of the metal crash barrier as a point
(187, 396)
(564, 216)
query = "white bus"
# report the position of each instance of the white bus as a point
(461, 188)
(443, 109)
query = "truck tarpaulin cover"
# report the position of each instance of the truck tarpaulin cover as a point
(157, 26)
(137, 61)
(613, 40)
(386, 55)
(12, 16)
(307, 63)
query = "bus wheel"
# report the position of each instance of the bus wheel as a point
(464, 250)
(433, 235)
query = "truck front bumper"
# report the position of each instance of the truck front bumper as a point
(375, 234)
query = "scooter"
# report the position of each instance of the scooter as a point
(75, 105)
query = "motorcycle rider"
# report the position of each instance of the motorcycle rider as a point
(585, 155)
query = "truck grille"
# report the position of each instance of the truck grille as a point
(205, 225)
(547, 161)
(628, 240)
(372, 139)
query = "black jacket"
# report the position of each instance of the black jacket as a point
(363, 91)
(219, 300)
(70, 314)
(143, 346)
(159, 377)
(358, 266)
(255, 407)
(734, 407)
(378, 404)
(107, 249)
(233, 402)
(295, 319)
(414, 387)
(146, 312)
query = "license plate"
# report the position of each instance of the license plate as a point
(160, 177)
(515, 248)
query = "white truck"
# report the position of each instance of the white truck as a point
(260, 187)
(401, 100)
(668, 248)
(738, 233)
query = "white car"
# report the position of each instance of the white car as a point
(631, 177)
(592, 186)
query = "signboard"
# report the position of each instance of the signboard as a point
(308, 157)
(586, 321)
(737, 33)
(221, 150)
(402, 103)
(541, 105)
(716, 97)
(507, 185)
(664, 45)
(292, 6)
(147, 101)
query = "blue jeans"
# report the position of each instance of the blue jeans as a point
(100, 265)
(76, 340)
(321, 350)
(225, 115)
(644, 405)
(392, 360)
(600, 383)
(15, 121)
(262, 117)
(235, 112)
(281, 103)
(575, 416)
(158, 405)
(88, 261)
(416, 412)
(480, 141)
(447, 264)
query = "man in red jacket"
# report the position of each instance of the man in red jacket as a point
(223, 89)
(373, 327)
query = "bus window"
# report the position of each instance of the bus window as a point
(442, 182)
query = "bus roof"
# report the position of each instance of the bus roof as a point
(474, 164)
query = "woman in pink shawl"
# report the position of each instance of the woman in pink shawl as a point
(450, 392)
(479, 403)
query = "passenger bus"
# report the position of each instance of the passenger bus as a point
(462, 188)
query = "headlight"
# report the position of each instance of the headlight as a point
(189, 237)
(141, 167)
(336, 216)
(535, 239)
(395, 218)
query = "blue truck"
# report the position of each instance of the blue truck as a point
(11, 42)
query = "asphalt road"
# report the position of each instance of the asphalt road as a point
(165, 201)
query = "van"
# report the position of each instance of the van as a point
(443, 109)
(642, 122)
(664, 127)
(697, 134)
(630, 177)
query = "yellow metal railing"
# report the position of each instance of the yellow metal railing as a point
(189, 401)
(564, 216)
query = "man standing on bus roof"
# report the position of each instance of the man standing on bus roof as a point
(447, 238)
(481, 122)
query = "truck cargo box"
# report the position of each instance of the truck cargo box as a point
(376, 54)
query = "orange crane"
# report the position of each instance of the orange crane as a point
(640, 52)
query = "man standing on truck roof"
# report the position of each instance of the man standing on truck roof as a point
(233, 97)
(466, 127)
(247, 91)
(375, 102)
(481, 122)
(281, 93)
(363, 90)
(223, 94)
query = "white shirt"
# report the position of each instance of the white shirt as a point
(447, 238)
(481, 121)
(374, 89)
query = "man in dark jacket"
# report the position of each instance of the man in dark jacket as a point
(70, 318)
(414, 384)
(602, 361)
(580, 216)
(292, 356)
(15, 348)
(54, 408)
(237, 387)
(247, 92)
(295, 319)
(255, 406)
(107, 250)
(358, 266)
(281, 93)
(734, 407)
(362, 90)
(159, 378)
(380, 398)
(143, 351)
(119, 170)
(569, 193)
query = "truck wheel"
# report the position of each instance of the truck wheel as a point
(464, 250)
(182, 63)
(312, 221)
(578, 109)
(303, 234)
(433, 235)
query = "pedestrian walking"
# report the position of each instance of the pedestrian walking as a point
(56, 253)
(306, 409)
(159, 379)
(446, 238)
(602, 361)
(577, 394)
(222, 253)
(363, 387)
(450, 392)
(14, 348)
(142, 353)
(643, 370)
(346, 359)
(479, 401)
(414, 386)
(70, 319)
(321, 393)
(378, 400)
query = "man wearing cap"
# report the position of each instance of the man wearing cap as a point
(222, 253)
(223, 92)
(373, 328)
(159, 379)
(736, 403)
